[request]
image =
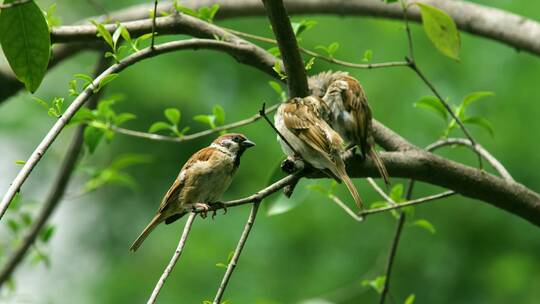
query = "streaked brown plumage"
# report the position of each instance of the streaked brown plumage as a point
(300, 121)
(350, 114)
(202, 180)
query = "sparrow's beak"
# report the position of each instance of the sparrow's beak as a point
(247, 143)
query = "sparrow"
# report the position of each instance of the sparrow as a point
(202, 180)
(300, 121)
(350, 114)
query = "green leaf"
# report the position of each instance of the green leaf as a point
(378, 204)
(481, 122)
(309, 64)
(274, 85)
(104, 33)
(441, 30)
(13, 225)
(425, 224)
(129, 159)
(52, 20)
(208, 13)
(25, 39)
(158, 126)
(219, 114)
(92, 137)
(104, 81)
(125, 33)
(221, 265)
(123, 117)
(432, 103)
(205, 119)
(278, 70)
(46, 233)
(26, 218)
(377, 284)
(368, 55)
(302, 26)
(396, 193)
(474, 96)
(410, 299)
(20, 162)
(15, 202)
(173, 115)
(274, 51)
(41, 102)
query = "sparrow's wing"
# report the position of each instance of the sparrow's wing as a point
(355, 101)
(174, 192)
(306, 124)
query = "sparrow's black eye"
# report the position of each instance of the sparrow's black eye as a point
(237, 139)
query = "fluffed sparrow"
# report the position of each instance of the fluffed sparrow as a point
(300, 121)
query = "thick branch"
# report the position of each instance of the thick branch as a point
(288, 48)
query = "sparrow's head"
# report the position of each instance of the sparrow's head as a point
(236, 143)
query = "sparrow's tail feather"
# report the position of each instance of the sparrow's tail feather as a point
(380, 166)
(340, 166)
(140, 239)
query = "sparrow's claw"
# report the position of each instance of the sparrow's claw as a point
(204, 211)
(217, 205)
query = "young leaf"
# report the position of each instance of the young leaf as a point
(396, 193)
(441, 30)
(104, 33)
(425, 224)
(274, 51)
(219, 114)
(410, 299)
(158, 126)
(474, 96)
(377, 284)
(432, 103)
(25, 39)
(309, 64)
(41, 102)
(20, 162)
(481, 122)
(173, 115)
(123, 117)
(92, 137)
(46, 233)
(277, 68)
(302, 26)
(13, 225)
(368, 55)
(104, 81)
(51, 19)
(206, 119)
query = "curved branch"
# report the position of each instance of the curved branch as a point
(243, 53)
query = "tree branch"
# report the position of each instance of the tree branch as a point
(57, 190)
(174, 259)
(288, 48)
(243, 53)
(237, 252)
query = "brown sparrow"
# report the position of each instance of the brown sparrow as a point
(201, 181)
(300, 122)
(350, 114)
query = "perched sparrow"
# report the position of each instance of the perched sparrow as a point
(350, 114)
(202, 180)
(300, 121)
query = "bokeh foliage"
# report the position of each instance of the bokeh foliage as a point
(478, 255)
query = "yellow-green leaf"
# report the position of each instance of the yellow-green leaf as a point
(441, 30)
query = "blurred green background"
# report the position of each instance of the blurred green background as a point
(478, 254)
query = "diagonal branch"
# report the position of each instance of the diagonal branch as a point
(174, 259)
(237, 252)
(57, 191)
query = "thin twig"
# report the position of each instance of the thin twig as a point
(412, 64)
(262, 113)
(346, 208)
(154, 24)
(407, 203)
(174, 259)
(158, 137)
(392, 255)
(237, 252)
(57, 190)
(483, 152)
(322, 57)
(381, 191)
